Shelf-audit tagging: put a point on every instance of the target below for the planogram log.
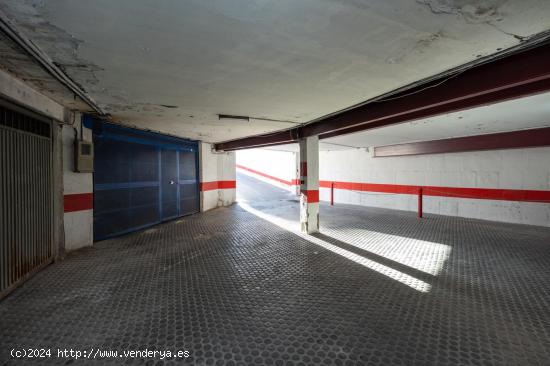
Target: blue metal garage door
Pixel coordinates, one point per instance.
(140, 179)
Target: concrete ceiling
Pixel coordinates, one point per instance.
(520, 114)
(172, 66)
(16, 61)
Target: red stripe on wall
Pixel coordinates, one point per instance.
(312, 195)
(370, 187)
(78, 202)
(209, 186)
(220, 184)
(489, 194)
(293, 182)
(227, 184)
(456, 192)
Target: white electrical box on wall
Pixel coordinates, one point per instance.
(84, 156)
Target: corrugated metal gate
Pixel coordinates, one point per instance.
(26, 198)
(140, 179)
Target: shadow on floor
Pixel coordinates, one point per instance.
(377, 258)
(232, 287)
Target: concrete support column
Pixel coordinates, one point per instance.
(309, 184)
(296, 175)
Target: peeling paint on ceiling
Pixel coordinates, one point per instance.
(473, 11)
(173, 66)
(16, 61)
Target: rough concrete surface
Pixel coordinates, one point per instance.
(174, 66)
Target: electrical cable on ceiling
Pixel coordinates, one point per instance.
(18, 37)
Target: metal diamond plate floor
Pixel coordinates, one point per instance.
(234, 286)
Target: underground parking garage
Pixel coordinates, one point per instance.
(274, 183)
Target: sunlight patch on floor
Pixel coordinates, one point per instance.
(425, 256)
(399, 276)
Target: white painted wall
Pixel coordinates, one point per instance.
(78, 225)
(208, 173)
(523, 169)
(527, 169)
(227, 172)
(280, 164)
(215, 167)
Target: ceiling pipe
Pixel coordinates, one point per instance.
(44, 60)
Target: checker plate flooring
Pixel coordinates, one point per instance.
(375, 287)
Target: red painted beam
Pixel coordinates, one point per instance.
(505, 140)
(512, 76)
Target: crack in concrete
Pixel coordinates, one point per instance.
(57, 43)
(472, 11)
(516, 36)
